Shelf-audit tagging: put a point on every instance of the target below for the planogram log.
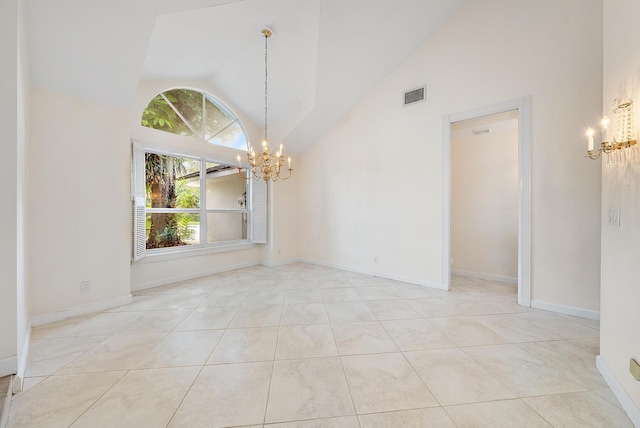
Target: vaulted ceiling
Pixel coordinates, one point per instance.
(324, 57)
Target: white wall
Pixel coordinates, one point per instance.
(619, 339)
(151, 272)
(9, 185)
(380, 191)
(283, 210)
(79, 167)
(484, 199)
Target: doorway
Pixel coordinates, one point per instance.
(519, 110)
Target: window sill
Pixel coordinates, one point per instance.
(161, 256)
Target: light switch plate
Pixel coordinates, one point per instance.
(614, 216)
(634, 368)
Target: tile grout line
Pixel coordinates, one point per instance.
(185, 394)
(100, 396)
(273, 362)
(344, 372)
(535, 411)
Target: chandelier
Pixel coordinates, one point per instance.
(266, 165)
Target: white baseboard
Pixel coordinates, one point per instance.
(488, 276)
(18, 379)
(627, 404)
(38, 320)
(8, 366)
(280, 263)
(410, 280)
(567, 310)
(188, 276)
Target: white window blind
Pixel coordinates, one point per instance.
(259, 211)
(138, 214)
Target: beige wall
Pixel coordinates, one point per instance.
(619, 339)
(80, 221)
(382, 193)
(484, 199)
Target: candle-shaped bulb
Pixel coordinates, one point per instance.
(239, 163)
(264, 143)
(281, 148)
(289, 159)
(590, 133)
(604, 122)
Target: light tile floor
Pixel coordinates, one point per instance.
(308, 346)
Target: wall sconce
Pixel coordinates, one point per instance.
(621, 149)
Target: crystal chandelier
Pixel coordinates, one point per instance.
(266, 165)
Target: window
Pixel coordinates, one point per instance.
(182, 202)
(195, 114)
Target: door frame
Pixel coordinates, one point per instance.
(523, 107)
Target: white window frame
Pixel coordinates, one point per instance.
(256, 211)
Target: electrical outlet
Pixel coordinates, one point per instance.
(85, 287)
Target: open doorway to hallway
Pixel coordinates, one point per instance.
(521, 107)
(484, 198)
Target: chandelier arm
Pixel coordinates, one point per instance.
(288, 176)
(593, 155)
(246, 177)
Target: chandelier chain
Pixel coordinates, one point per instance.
(266, 165)
(266, 75)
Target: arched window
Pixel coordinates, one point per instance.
(197, 114)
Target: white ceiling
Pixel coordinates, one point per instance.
(324, 57)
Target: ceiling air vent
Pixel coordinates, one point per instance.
(480, 131)
(415, 95)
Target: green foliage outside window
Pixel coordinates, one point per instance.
(195, 114)
(167, 187)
